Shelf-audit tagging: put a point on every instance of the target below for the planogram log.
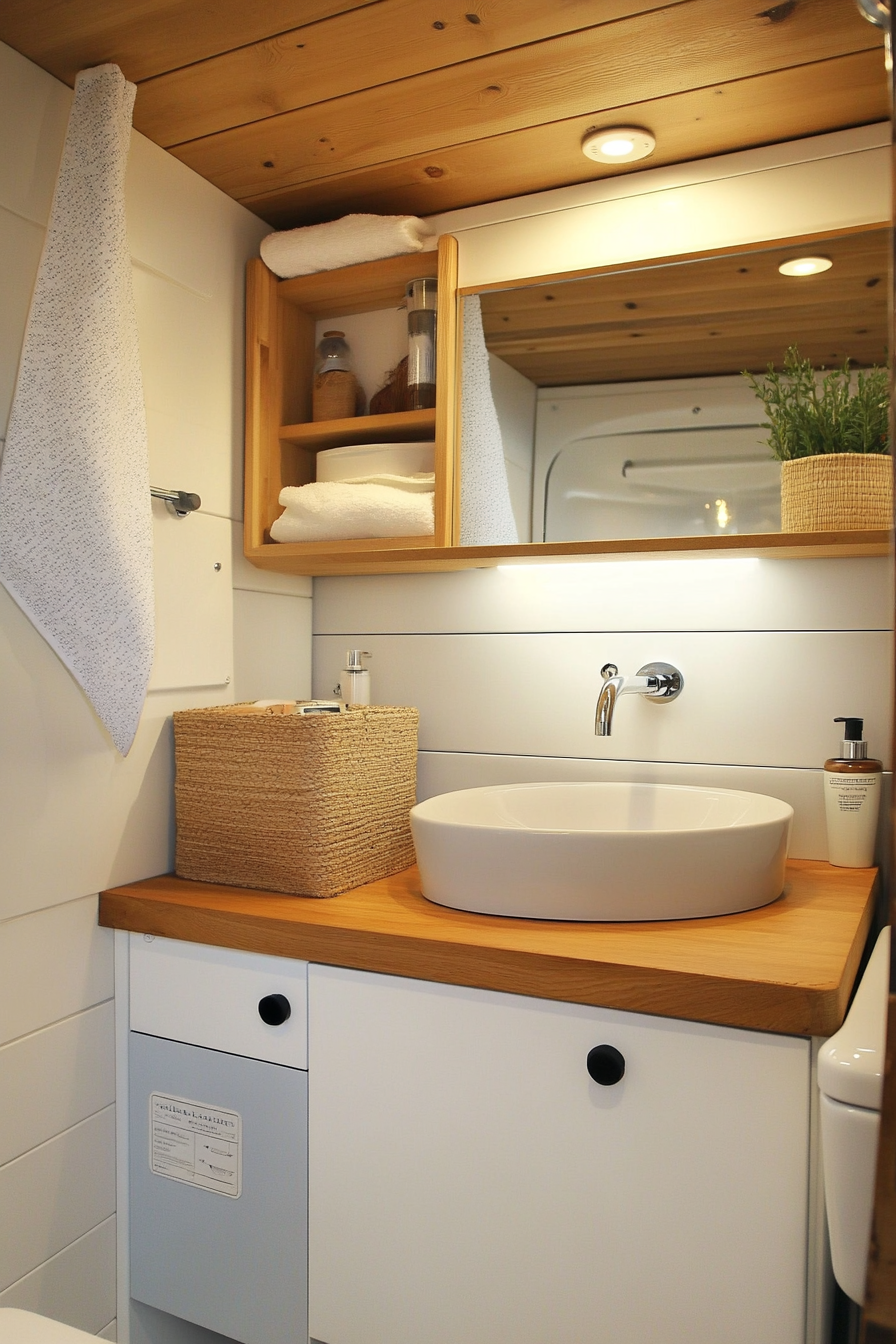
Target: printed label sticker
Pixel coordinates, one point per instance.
(198, 1144)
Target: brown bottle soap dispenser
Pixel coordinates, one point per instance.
(852, 799)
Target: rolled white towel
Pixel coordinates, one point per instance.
(336, 511)
(343, 242)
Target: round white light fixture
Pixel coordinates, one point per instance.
(805, 266)
(618, 144)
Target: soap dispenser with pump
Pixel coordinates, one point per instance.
(852, 799)
(354, 684)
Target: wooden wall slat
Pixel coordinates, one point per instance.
(147, 37)
(653, 55)
(360, 49)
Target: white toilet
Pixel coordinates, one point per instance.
(850, 1076)
(23, 1327)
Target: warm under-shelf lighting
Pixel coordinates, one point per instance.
(618, 144)
(805, 266)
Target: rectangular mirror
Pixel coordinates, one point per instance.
(622, 408)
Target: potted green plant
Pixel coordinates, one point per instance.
(831, 434)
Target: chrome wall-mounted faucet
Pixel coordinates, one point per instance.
(656, 681)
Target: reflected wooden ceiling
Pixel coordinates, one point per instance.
(717, 315)
(307, 109)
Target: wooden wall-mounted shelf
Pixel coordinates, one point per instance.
(407, 556)
(282, 440)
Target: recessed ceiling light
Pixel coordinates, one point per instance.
(805, 266)
(618, 144)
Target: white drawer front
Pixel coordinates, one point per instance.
(210, 996)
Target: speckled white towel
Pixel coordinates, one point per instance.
(75, 513)
(486, 514)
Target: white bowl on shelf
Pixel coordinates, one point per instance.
(375, 459)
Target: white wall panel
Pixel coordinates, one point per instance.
(255, 580)
(659, 220)
(184, 228)
(648, 180)
(37, 106)
(194, 600)
(74, 815)
(110, 1332)
(272, 646)
(20, 248)
(54, 1078)
(56, 1193)
(750, 698)
(724, 593)
(185, 357)
(52, 964)
(77, 1286)
(441, 772)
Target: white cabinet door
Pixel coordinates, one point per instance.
(471, 1184)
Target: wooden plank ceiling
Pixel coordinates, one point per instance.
(717, 315)
(307, 109)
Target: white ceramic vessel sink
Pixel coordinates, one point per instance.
(601, 851)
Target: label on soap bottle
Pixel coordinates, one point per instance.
(851, 803)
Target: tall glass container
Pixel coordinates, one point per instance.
(335, 391)
(421, 300)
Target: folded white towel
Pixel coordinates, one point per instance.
(336, 511)
(343, 242)
(418, 483)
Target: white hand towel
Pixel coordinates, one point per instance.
(418, 483)
(343, 242)
(336, 511)
(75, 513)
(486, 514)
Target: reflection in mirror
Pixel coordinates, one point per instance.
(622, 408)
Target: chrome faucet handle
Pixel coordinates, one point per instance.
(609, 670)
(668, 681)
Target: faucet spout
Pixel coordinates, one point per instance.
(606, 701)
(656, 681)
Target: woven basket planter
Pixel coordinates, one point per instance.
(312, 806)
(837, 492)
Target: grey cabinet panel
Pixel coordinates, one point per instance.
(234, 1265)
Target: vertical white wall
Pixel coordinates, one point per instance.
(515, 398)
(74, 816)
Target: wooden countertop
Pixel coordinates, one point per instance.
(788, 967)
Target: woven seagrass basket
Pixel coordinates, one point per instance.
(837, 492)
(312, 806)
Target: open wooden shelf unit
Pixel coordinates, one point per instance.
(282, 440)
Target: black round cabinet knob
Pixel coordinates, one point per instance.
(606, 1065)
(274, 1009)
